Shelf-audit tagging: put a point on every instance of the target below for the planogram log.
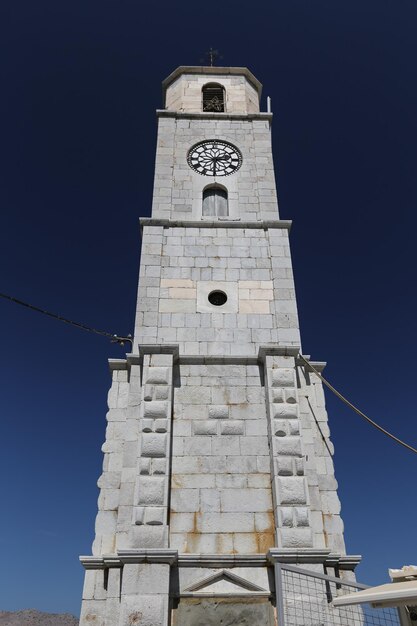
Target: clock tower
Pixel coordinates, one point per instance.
(217, 458)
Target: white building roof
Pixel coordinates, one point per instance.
(390, 594)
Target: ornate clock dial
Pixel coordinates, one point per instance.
(214, 158)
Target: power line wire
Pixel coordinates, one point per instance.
(354, 408)
(319, 427)
(115, 338)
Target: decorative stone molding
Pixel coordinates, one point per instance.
(313, 556)
(117, 364)
(241, 587)
(225, 561)
(123, 557)
(170, 223)
(223, 116)
(148, 556)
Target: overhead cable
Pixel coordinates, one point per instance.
(355, 408)
(114, 338)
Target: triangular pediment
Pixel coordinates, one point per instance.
(225, 582)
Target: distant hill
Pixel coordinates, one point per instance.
(31, 617)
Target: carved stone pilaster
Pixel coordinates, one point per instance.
(152, 482)
(289, 485)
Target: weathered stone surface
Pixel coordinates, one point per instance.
(213, 612)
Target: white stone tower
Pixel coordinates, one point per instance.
(217, 459)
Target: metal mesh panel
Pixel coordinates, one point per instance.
(306, 601)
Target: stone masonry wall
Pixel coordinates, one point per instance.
(220, 453)
(184, 94)
(181, 265)
(221, 499)
(178, 189)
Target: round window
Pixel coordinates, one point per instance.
(218, 298)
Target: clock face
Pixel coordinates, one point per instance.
(214, 158)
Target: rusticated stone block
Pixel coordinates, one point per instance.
(154, 444)
(288, 446)
(283, 377)
(280, 428)
(157, 376)
(294, 427)
(302, 517)
(159, 466)
(232, 427)
(291, 490)
(161, 425)
(155, 409)
(285, 517)
(277, 395)
(139, 515)
(148, 393)
(284, 466)
(147, 425)
(299, 466)
(218, 411)
(151, 490)
(284, 410)
(144, 466)
(155, 515)
(161, 392)
(290, 396)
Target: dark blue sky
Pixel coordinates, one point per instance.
(80, 84)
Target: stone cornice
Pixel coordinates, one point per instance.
(318, 365)
(164, 555)
(117, 364)
(197, 359)
(202, 115)
(349, 562)
(219, 223)
(312, 555)
(130, 556)
(159, 348)
(277, 350)
(274, 555)
(92, 562)
(293, 556)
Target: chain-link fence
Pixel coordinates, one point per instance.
(304, 598)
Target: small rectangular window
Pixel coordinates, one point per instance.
(215, 202)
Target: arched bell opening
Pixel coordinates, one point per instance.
(214, 98)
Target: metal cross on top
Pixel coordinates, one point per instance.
(212, 55)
